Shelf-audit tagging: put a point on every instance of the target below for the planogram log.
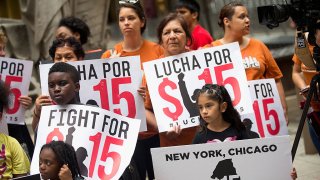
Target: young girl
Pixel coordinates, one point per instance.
(58, 161)
(219, 121)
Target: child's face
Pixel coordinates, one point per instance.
(62, 89)
(210, 110)
(48, 165)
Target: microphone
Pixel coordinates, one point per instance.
(302, 49)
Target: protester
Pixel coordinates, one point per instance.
(63, 84)
(190, 10)
(19, 132)
(58, 161)
(73, 27)
(257, 59)
(219, 120)
(62, 50)
(302, 83)
(132, 23)
(13, 160)
(174, 36)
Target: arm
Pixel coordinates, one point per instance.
(282, 98)
(151, 121)
(40, 101)
(297, 77)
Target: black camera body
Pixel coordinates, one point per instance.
(304, 13)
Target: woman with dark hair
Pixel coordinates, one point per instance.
(65, 50)
(73, 27)
(174, 37)
(58, 160)
(132, 24)
(62, 50)
(256, 57)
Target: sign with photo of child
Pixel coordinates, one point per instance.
(104, 141)
(16, 73)
(244, 159)
(268, 118)
(174, 81)
(109, 84)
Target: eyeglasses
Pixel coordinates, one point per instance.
(128, 1)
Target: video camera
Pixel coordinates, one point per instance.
(306, 15)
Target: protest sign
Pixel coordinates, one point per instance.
(104, 141)
(263, 159)
(174, 81)
(110, 84)
(268, 118)
(16, 74)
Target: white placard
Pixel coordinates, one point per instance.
(268, 118)
(107, 138)
(172, 82)
(263, 159)
(17, 74)
(111, 84)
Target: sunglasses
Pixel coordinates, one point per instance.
(128, 1)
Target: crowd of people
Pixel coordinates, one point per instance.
(177, 33)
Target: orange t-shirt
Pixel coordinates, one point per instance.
(148, 51)
(308, 74)
(257, 60)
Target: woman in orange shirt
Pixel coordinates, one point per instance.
(174, 37)
(256, 57)
(132, 23)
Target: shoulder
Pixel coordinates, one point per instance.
(154, 47)
(213, 44)
(148, 44)
(255, 42)
(8, 139)
(107, 53)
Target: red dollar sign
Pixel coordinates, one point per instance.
(179, 109)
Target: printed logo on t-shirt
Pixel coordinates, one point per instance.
(233, 138)
(3, 165)
(250, 62)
